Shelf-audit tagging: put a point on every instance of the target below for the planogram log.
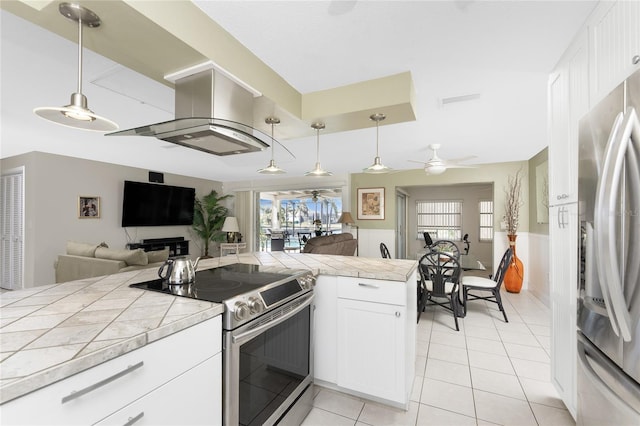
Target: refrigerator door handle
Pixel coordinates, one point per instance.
(632, 267)
(600, 224)
(624, 399)
(630, 126)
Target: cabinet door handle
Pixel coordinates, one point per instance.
(368, 285)
(132, 420)
(397, 314)
(91, 388)
(635, 60)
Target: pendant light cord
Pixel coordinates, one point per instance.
(273, 144)
(318, 145)
(80, 55)
(377, 138)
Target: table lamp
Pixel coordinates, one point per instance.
(230, 226)
(347, 219)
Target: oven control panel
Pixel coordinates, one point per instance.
(248, 306)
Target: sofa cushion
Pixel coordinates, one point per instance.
(70, 267)
(81, 249)
(131, 257)
(158, 255)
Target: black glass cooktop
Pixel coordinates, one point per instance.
(220, 284)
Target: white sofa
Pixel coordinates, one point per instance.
(92, 260)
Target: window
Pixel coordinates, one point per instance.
(441, 219)
(486, 220)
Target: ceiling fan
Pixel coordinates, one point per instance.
(314, 195)
(437, 165)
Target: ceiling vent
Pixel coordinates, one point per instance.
(463, 98)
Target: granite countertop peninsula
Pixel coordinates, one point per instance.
(50, 332)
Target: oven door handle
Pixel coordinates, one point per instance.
(244, 337)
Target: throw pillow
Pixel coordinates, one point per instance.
(81, 249)
(131, 257)
(158, 255)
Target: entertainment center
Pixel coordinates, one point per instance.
(178, 246)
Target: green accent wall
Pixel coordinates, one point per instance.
(538, 195)
(497, 173)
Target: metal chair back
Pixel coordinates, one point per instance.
(384, 251)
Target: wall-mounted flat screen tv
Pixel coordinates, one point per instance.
(151, 204)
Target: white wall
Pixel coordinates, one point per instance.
(538, 277)
(52, 186)
(369, 241)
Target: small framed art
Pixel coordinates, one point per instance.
(88, 207)
(371, 203)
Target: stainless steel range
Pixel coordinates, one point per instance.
(267, 333)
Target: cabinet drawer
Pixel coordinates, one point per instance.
(389, 292)
(193, 398)
(93, 394)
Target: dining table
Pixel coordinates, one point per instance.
(468, 262)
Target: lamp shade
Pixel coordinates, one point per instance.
(230, 225)
(346, 218)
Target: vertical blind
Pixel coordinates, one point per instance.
(486, 220)
(441, 219)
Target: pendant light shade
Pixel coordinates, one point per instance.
(377, 167)
(77, 114)
(318, 171)
(272, 168)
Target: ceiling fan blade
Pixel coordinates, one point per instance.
(416, 161)
(459, 166)
(460, 160)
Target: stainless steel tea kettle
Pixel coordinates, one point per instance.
(180, 270)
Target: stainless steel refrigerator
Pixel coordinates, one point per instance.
(608, 365)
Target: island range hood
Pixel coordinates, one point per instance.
(211, 112)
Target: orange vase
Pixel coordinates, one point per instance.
(515, 272)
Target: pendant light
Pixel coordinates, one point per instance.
(317, 171)
(272, 169)
(377, 167)
(77, 114)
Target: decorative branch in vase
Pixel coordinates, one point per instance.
(514, 275)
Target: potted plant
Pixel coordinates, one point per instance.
(208, 218)
(513, 201)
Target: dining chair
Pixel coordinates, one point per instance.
(446, 246)
(428, 242)
(384, 251)
(439, 279)
(492, 284)
(303, 237)
(467, 244)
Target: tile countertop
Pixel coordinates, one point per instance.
(50, 332)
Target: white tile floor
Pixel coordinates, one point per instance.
(490, 372)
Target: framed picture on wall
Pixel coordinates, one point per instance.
(88, 207)
(370, 203)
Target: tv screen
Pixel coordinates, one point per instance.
(149, 204)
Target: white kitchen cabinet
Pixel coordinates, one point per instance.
(326, 325)
(568, 102)
(94, 394)
(371, 347)
(563, 261)
(614, 31)
(560, 182)
(193, 398)
(365, 337)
